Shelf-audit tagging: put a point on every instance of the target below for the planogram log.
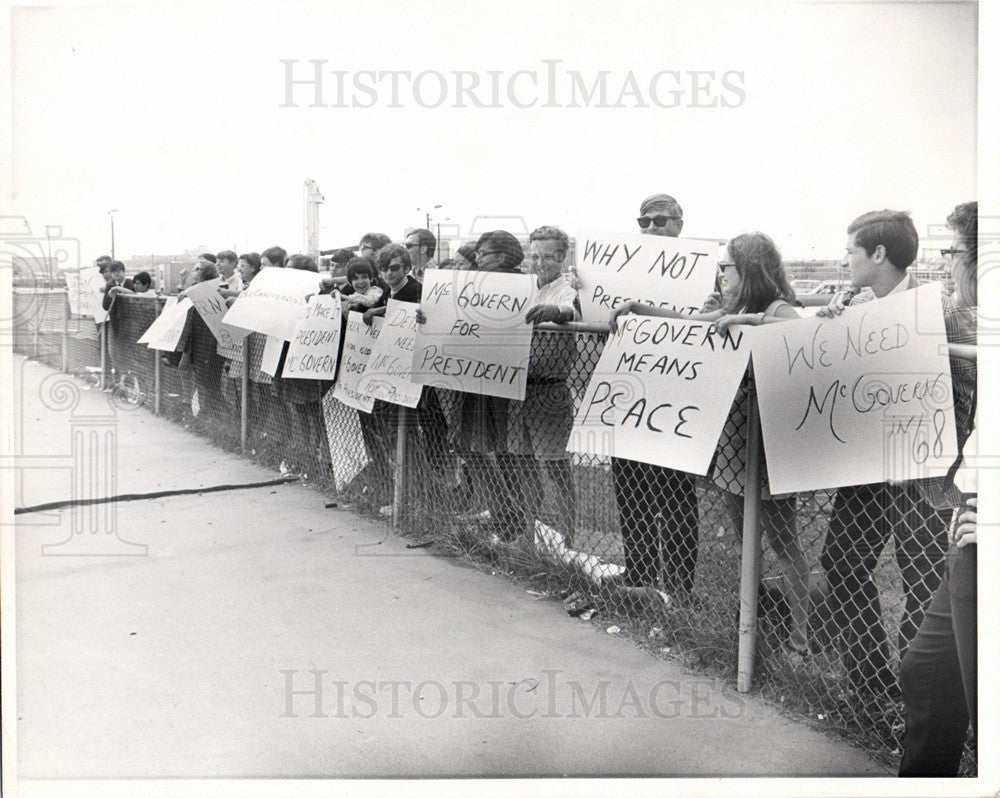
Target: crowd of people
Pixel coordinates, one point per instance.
(499, 455)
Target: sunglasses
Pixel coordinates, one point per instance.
(656, 221)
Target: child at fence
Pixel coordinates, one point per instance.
(755, 290)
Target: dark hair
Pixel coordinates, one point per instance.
(253, 259)
(115, 266)
(762, 278)
(364, 264)
(209, 257)
(375, 240)
(208, 272)
(468, 251)
(390, 251)
(510, 249)
(550, 232)
(276, 255)
(144, 278)
(342, 256)
(447, 263)
(964, 220)
(425, 238)
(893, 230)
(102, 263)
(227, 254)
(305, 263)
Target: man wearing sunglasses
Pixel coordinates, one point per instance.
(660, 215)
(421, 245)
(658, 507)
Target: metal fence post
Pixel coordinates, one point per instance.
(65, 335)
(102, 340)
(399, 487)
(750, 561)
(245, 394)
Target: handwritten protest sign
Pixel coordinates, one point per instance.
(675, 273)
(273, 302)
(388, 375)
(865, 397)
(475, 338)
(85, 288)
(211, 306)
(358, 343)
(312, 353)
(165, 332)
(343, 424)
(661, 392)
(270, 358)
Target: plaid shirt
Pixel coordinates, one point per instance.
(960, 328)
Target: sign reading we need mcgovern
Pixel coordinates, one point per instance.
(475, 338)
(661, 392)
(861, 398)
(675, 273)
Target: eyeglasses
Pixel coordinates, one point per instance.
(657, 221)
(947, 253)
(724, 266)
(390, 267)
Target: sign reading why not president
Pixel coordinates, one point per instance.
(388, 375)
(861, 398)
(273, 302)
(475, 338)
(675, 273)
(661, 392)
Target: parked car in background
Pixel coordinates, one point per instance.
(804, 286)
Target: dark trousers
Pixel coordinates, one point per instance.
(658, 511)
(864, 519)
(938, 674)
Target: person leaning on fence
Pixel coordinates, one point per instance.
(657, 507)
(938, 674)
(538, 428)
(880, 247)
(302, 403)
(755, 291)
(483, 419)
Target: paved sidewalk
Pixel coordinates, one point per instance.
(255, 633)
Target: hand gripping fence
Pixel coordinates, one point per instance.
(817, 618)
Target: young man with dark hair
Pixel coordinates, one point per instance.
(372, 243)
(227, 261)
(880, 247)
(273, 256)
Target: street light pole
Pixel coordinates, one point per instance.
(112, 213)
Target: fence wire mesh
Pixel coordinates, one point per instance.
(845, 574)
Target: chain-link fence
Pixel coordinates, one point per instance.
(827, 603)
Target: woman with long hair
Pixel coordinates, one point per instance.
(754, 291)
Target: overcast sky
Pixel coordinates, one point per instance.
(174, 117)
